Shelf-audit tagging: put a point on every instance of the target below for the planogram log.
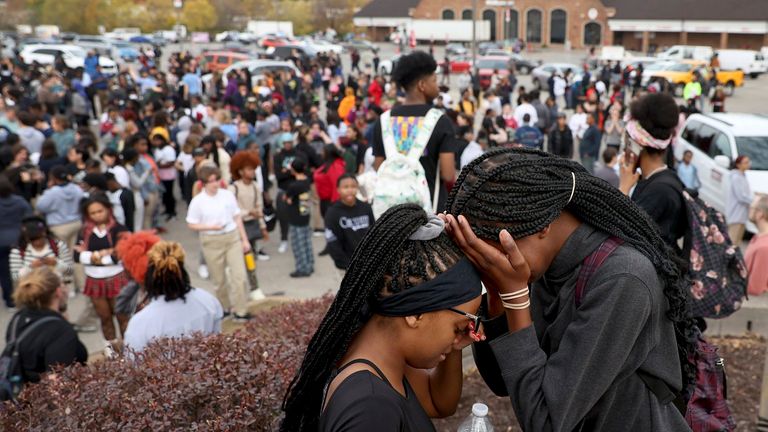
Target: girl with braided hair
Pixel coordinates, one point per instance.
(175, 308)
(604, 319)
(387, 355)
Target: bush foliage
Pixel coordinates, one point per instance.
(231, 382)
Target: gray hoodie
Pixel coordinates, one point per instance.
(576, 369)
(61, 204)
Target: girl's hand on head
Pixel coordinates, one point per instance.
(504, 268)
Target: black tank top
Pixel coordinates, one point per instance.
(365, 402)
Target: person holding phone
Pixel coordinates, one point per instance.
(655, 188)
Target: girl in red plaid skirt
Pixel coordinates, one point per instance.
(104, 273)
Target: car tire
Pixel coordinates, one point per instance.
(730, 87)
(536, 83)
(524, 70)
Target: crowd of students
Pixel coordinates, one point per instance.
(244, 152)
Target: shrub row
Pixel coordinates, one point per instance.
(231, 382)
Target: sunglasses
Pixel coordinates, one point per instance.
(474, 320)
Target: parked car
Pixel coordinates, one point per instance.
(751, 62)
(272, 41)
(716, 140)
(484, 47)
(74, 56)
(455, 49)
(257, 68)
(522, 66)
(216, 61)
(459, 64)
(322, 45)
(285, 52)
(687, 52)
(680, 74)
(541, 73)
(360, 45)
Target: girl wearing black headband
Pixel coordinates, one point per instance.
(387, 355)
(608, 359)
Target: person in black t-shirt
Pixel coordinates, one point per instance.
(346, 222)
(657, 189)
(415, 73)
(387, 356)
(297, 215)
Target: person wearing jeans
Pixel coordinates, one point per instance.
(214, 213)
(13, 208)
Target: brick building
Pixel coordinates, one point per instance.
(638, 25)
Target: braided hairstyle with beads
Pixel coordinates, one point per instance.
(386, 262)
(524, 190)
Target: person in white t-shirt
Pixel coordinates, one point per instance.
(214, 213)
(526, 108)
(578, 123)
(165, 158)
(111, 159)
(176, 309)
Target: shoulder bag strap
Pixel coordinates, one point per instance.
(593, 262)
(387, 135)
(32, 327)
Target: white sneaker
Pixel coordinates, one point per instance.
(257, 295)
(283, 247)
(263, 256)
(318, 234)
(202, 271)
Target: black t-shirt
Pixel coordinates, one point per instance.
(364, 402)
(345, 228)
(443, 140)
(299, 209)
(661, 196)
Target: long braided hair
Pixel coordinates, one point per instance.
(386, 262)
(166, 275)
(524, 190)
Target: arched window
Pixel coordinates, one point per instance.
(557, 26)
(533, 26)
(448, 14)
(466, 14)
(489, 15)
(593, 33)
(510, 25)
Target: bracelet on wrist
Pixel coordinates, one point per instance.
(506, 299)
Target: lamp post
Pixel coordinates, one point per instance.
(474, 37)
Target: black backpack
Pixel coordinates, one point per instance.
(11, 373)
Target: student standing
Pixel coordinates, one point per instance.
(297, 215)
(589, 147)
(346, 222)
(688, 173)
(738, 200)
(165, 157)
(215, 215)
(13, 209)
(415, 73)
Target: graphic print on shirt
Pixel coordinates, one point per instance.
(288, 161)
(304, 207)
(405, 130)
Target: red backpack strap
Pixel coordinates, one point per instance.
(54, 246)
(593, 262)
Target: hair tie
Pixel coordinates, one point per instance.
(573, 188)
(429, 231)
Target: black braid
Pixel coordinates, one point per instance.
(524, 190)
(384, 263)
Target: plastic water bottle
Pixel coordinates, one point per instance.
(478, 421)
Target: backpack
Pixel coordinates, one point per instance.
(707, 408)
(51, 242)
(11, 373)
(716, 266)
(401, 178)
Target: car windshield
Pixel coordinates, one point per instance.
(756, 148)
(492, 64)
(681, 67)
(77, 52)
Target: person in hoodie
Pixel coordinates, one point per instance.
(60, 204)
(346, 222)
(13, 208)
(184, 124)
(326, 177)
(31, 138)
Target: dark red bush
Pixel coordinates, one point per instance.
(231, 382)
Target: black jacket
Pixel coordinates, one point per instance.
(561, 142)
(52, 343)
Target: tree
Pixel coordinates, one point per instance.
(199, 15)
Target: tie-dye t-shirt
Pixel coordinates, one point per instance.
(405, 122)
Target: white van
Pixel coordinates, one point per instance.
(687, 52)
(752, 63)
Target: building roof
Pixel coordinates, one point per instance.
(387, 9)
(715, 10)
